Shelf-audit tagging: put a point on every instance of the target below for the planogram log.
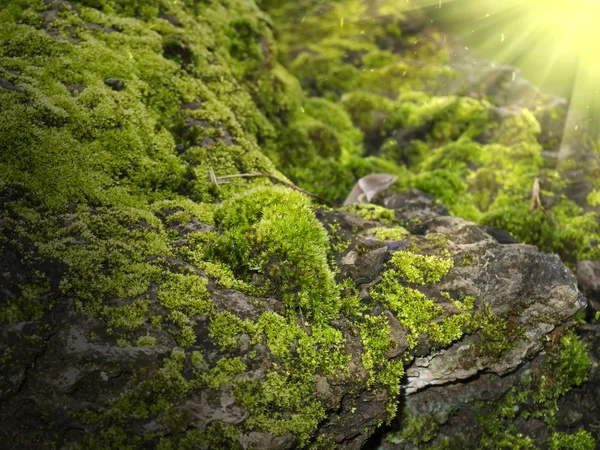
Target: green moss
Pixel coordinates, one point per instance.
(265, 226)
(370, 211)
(222, 274)
(352, 307)
(488, 183)
(224, 327)
(98, 186)
(224, 371)
(415, 430)
(566, 367)
(388, 234)
(467, 303)
(337, 238)
(218, 435)
(197, 359)
(185, 210)
(374, 332)
(467, 260)
(184, 296)
(28, 306)
(536, 396)
(317, 148)
(581, 440)
(146, 341)
(414, 309)
(421, 269)
(446, 185)
(155, 393)
(129, 317)
(593, 198)
(305, 412)
(286, 401)
(498, 335)
(112, 437)
(449, 330)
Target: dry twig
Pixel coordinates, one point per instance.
(218, 180)
(535, 196)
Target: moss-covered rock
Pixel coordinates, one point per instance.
(147, 302)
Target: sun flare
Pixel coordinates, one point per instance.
(555, 43)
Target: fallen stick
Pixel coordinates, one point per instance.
(218, 181)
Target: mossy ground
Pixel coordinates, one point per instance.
(388, 75)
(109, 181)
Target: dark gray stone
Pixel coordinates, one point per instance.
(116, 84)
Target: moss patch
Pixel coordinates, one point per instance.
(536, 396)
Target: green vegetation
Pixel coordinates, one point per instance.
(416, 430)
(267, 226)
(128, 106)
(420, 269)
(479, 166)
(374, 331)
(533, 397)
(388, 234)
(582, 440)
(369, 211)
(536, 397)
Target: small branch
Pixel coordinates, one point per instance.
(218, 180)
(535, 196)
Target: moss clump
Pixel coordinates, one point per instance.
(415, 430)
(467, 303)
(467, 260)
(154, 394)
(337, 238)
(146, 341)
(498, 335)
(388, 234)
(222, 373)
(374, 332)
(421, 269)
(566, 367)
(369, 211)
(418, 313)
(449, 329)
(480, 166)
(413, 308)
(352, 307)
(129, 317)
(286, 400)
(317, 148)
(265, 228)
(225, 327)
(581, 440)
(593, 198)
(27, 306)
